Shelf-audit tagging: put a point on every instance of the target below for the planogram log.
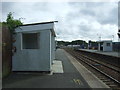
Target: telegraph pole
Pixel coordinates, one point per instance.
(112, 37)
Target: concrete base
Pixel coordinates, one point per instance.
(57, 67)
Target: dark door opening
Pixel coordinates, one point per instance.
(101, 48)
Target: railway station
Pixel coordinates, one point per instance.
(60, 45)
(37, 63)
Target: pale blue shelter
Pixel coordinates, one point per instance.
(35, 47)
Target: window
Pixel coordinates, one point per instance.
(107, 44)
(30, 40)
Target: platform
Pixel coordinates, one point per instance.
(74, 75)
(115, 54)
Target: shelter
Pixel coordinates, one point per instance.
(35, 47)
(105, 45)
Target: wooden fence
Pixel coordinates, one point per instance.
(6, 51)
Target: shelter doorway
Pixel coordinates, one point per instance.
(101, 46)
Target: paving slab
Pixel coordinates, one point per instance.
(57, 67)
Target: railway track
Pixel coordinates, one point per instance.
(108, 73)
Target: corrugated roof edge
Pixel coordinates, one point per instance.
(38, 23)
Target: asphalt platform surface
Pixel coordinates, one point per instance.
(71, 78)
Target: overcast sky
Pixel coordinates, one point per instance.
(76, 20)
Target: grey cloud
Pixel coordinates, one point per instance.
(119, 14)
(76, 20)
(6, 6)
(13, 7)
(91, 12)
(43, 6)
(87, 12)
(98, 11)
(84, 28)
(111, 18)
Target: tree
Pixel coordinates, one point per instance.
(12, 23)
(76, 42)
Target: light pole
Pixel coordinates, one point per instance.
(112, 37)
(99, 37)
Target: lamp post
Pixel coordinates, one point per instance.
(99, 37)
(112, 37)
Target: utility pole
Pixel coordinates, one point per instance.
(99, 37)
(112, 37)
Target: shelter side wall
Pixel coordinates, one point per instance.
(32, 59)
(107, 48)
(99, 46)
(52, 48)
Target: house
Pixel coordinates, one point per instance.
(35, 47)
(105, 45)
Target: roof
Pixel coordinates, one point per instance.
(105, 41)
(37, 27)
(38, 23)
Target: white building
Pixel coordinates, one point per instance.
(35, 47)
(105, 45)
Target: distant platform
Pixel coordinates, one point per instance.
(115, 54)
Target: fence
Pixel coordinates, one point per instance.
(116, 46)
(6, 51)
